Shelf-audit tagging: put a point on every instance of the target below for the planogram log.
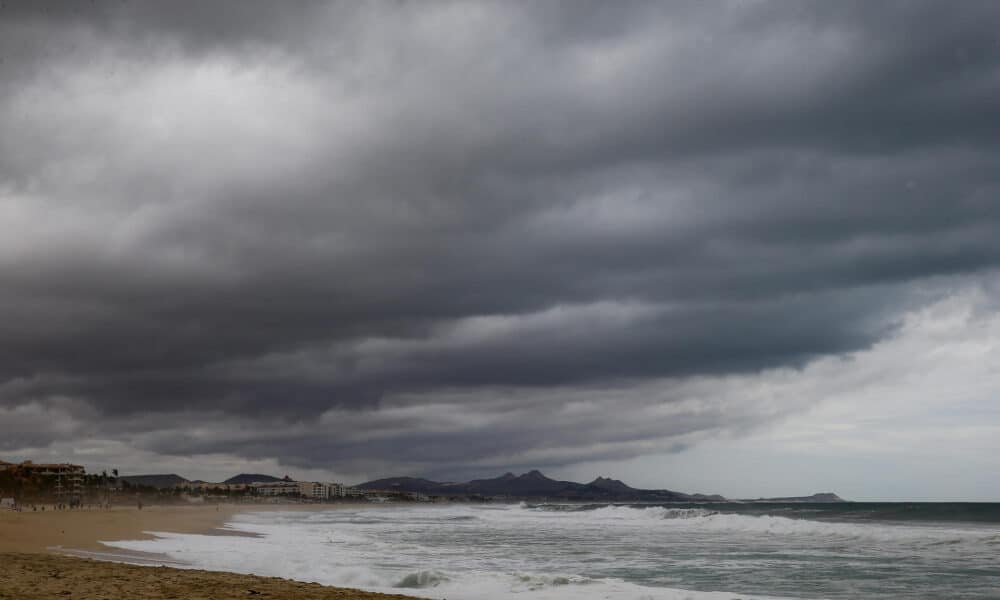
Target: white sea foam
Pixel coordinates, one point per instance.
(703, 520)
(614, 553)
(282, 556)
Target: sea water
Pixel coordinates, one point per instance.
(642, 552)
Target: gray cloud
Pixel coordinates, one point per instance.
(252, 215)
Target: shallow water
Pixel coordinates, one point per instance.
(667, 552)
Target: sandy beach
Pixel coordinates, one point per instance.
(37, 576)
(84, 529)
(33, 563)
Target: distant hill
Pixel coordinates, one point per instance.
(156, 481)
(172, 480)
(245, 478)
(708, 498)
(535, 485)
(611, 485)
(530, 484)
(822, 497)
(403, 484)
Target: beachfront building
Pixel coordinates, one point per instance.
(275, 488)
(67, 479)
(207, 486)
(353, 492)
(314, 490)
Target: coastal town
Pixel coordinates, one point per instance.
(66, 485)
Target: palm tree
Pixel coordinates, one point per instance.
(107, 490)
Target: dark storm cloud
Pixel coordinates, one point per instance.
(266, 216)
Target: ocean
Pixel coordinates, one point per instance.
(599, 551)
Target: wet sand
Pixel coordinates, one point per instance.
(34, 561)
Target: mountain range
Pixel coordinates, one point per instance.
(173, 480)
(535, 485)
(532, 485)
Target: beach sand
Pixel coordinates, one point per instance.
(36, 576)
(33, 563)
(85, 529)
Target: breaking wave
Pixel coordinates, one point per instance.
(597, 551)
(709, 520)
(422, 579)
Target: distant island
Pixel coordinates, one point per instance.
(824, 497)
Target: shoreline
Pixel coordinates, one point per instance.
(85, 529)
(61, 554)
(41, 532)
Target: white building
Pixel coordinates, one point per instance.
(276, 488)
(314, 489)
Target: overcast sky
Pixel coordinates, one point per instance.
(744, 247)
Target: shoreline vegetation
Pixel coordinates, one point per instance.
(42, 556)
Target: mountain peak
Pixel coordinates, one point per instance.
(606, 483)
(533, 484)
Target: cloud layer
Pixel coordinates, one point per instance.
(444, 237)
